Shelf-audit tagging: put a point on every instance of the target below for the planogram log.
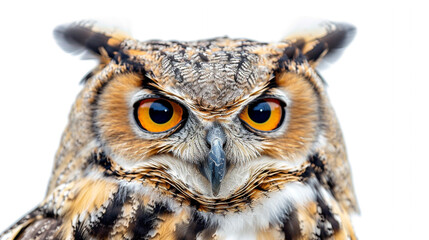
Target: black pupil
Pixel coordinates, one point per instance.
(259, 112)
(160, 111)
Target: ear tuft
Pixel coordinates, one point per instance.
(78, 37)
(326, 44)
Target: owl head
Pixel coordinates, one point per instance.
(216, 124)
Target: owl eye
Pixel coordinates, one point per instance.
(264, 114)
(158, 114)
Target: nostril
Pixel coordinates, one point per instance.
(207, 144)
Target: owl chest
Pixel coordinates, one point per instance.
(157, 221)
(118, 212)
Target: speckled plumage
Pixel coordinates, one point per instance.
(111, 180)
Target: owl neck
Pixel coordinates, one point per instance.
(148, 200)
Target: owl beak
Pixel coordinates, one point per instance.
(215, 167)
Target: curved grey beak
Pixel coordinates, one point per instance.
(215, 167)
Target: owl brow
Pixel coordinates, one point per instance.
(150, 84)
(258, 93)
(153, 86)
(269, 85)
(272, 83)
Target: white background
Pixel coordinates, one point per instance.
(378, 87)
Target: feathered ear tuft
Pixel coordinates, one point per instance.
(79, 37)
(326, 44)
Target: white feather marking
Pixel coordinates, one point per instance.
(241, 236)
(275, 206)
(7, 236)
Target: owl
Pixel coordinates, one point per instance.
(212, 139)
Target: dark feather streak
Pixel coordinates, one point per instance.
(102, 228)
(291, 227)
(196, 225)
(146, 220)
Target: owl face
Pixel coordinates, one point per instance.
(212, 107)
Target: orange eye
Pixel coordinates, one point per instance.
(264, 115)
(158, 114)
